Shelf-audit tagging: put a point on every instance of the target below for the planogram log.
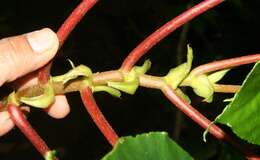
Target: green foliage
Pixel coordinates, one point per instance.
(50, 155)
(179, 73)
(41, 101)
(131, 81)
(151, 146)
(242, 114)
(203, 85)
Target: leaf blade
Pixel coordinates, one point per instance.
(242, 114)
(151, 146)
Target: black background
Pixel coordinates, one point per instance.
(102, 40)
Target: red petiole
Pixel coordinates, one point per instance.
(97, 116)
(20, 121)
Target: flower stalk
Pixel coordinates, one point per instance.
(165, 30)
(63, 32)
(201, 120)
(20, 121)
(97, 116)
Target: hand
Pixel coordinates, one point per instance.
(24, 54)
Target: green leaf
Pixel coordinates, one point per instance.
(202, 87)
(131, 79)
(50, 155)
(41, 101)
(144, 68)
(127, 87)
(110, 90)
(183, 95)
(216, 76)
(189, 57)
(242, 114)
(176, 75)
(75, 72)
(12, 99)
(151, 146)
(179, 73)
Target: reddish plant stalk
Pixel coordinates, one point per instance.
(165, 30)
(64, 31)
(19, 120)
(97, 116)
(74, 18)
(201, 120)
(223, 64)
(224, 88)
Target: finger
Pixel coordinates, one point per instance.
(22, 54)
(60, 108)
(6, 123)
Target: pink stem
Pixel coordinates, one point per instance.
(201, 120)
(223, 64)
(165, 30)
(19, 120)
(97, 116)
(74, 18)
(64, 31)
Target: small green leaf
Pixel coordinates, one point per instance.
(107, 89)
(12, 99)
(50, 155)
(202, 87)
(189, 57)
(176, 75)
(131, 79)
(80, 70)
(144, 68)
(216, 76)
(179, 73)
(242, 114)
(127, 87)
(151, 146)
(42, 101)
(183, 95)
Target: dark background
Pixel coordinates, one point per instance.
(102, 40)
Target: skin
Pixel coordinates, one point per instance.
(22, 55)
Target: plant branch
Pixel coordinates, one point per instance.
(201, 120)
(223, 88)
(224, 64)
(19, 120)
(64, 31)
(102, 78)
(165, 30)
(97, 116)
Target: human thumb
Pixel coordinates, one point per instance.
(23, 54)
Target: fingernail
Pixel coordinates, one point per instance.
(41, 40)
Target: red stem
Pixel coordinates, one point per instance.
(19, 120)
(64, 31)
(223, 64)
(97, 116)
(201, 120)
(165, 30)
(74, 18)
